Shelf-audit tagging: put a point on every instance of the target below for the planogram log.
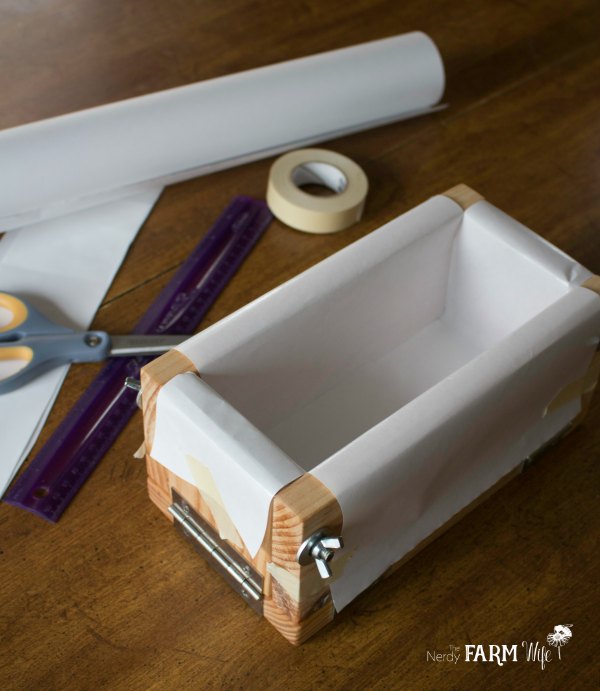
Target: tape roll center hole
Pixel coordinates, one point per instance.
(319, 179)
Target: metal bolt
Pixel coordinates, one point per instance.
(132, 383)
(319, 547)
(92, 340)
(320, 552)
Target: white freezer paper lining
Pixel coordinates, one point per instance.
(411, 473)
(429, 406)
(196, 425)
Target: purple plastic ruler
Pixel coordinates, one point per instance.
(90, 428)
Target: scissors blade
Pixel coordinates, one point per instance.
(123, 346)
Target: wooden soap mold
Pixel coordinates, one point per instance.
(305, 506)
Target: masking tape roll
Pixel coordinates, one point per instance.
(314, 214)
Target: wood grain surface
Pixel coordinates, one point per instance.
(111, 597)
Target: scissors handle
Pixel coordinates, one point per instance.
(26, 320)
(42, 353)
(41, 344)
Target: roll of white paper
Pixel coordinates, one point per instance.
(74, 161)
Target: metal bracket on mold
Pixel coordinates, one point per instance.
(219, 555)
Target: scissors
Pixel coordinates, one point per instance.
(43, 344)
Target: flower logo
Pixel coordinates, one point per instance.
(560, 636)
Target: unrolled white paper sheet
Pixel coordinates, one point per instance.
(116, 149)
(408, 372)
(64, 267)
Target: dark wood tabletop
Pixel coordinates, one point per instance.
(111, 597)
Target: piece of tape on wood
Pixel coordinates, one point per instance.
(210, 493)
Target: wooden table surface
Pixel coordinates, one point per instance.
(111, 597)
